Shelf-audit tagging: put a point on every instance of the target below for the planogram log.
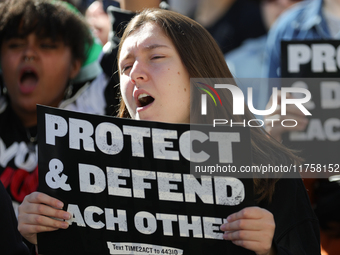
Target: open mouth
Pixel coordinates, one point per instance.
(28, 77)
(144, 100)
(28, 81)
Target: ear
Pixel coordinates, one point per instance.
(75, 68)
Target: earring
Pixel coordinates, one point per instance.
(69, 90)
(3, 89)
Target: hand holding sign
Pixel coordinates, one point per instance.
(273, 120)
(141, 197)
(252, 228)
(35, 214)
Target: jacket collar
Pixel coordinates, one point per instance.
(313, 17)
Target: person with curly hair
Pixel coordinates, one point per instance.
(43, 45)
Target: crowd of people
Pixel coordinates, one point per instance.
(93, 60)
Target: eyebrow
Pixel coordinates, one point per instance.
(154, 46)
(148, 48)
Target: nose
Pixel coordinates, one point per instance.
(138, 72)
(30, 51)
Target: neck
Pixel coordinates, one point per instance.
(208, 12)
(332, 6)
(28, 119)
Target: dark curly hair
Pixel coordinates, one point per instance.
(47, 19)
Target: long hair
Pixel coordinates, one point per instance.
(203, 58)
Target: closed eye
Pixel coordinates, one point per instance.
(48, 43)
(15, 43)
(157, 57)
(125, 68)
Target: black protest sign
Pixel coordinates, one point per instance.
(307, 59)
(128, 186)
(315, 65)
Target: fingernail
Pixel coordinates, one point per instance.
(64, 225)
(60, 205)
(67, 216)
(225, 236)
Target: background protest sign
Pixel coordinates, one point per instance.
(129, 188)
(315, 65)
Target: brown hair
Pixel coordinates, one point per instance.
(203, 59)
